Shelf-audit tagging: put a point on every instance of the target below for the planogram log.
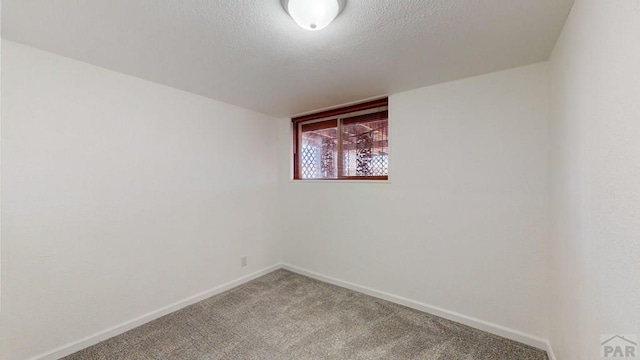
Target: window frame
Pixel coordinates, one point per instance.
(338, 115)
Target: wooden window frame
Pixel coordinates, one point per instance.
(334, 115)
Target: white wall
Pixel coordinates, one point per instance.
(462, 224)
(120, 197)
(595, 91)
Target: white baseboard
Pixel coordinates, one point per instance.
(549, 349)
(495, 329)
(90, 340)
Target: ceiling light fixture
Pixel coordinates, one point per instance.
(313, 15)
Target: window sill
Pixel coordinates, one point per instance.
(341, 181)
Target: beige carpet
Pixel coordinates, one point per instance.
(283, 315)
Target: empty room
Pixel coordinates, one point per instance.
(320, 179)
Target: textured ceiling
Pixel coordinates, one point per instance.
(250, 53)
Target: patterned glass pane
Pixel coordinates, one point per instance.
(365, 147)
(319, 154)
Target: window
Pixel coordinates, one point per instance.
(350, 143)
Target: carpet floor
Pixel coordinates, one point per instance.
(283, 315)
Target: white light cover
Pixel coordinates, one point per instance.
(313, 15)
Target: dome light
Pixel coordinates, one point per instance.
(313, 15)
